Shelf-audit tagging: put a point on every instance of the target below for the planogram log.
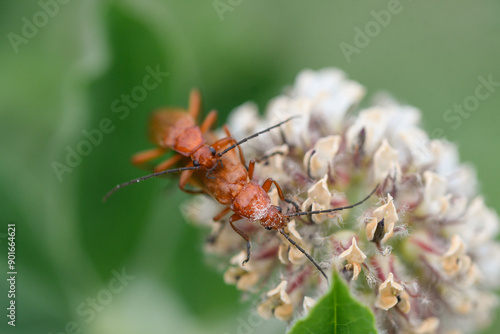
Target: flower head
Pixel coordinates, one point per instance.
(421, 252)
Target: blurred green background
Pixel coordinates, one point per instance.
(64, 77)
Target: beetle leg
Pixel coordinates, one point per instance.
(168, 163)
(208, 121)
(221, 214)
(232, 219)
(145, 156)
(217, 218)
(251, 168)
(267, 185)
(194, 103)
(184, 179)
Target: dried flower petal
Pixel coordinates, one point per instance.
(319, 198)
(388, 293)
(374, 121)
(284, 312)
(295, 255)
(354, 257)
(428, 326)
(435, 202)
(371, 227)
(404, 302)
(333, 94)
(385, 163)
(275, 164)
(388, 214)
(319, 160)
(278, 303)
(455, 259)
(295, 133)
(280, 292)
(308, 303)
(483, 223)
(244, 280)
(244, 119)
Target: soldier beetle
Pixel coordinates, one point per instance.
(219, 172)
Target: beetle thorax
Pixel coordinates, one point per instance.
(252, 202)
(189, 141)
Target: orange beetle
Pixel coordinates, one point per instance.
(218, 171)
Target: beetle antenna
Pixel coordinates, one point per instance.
(139, 179)
(282, 231)
(331, 210)
(255, 135)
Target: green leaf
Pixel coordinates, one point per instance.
(337, 312)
